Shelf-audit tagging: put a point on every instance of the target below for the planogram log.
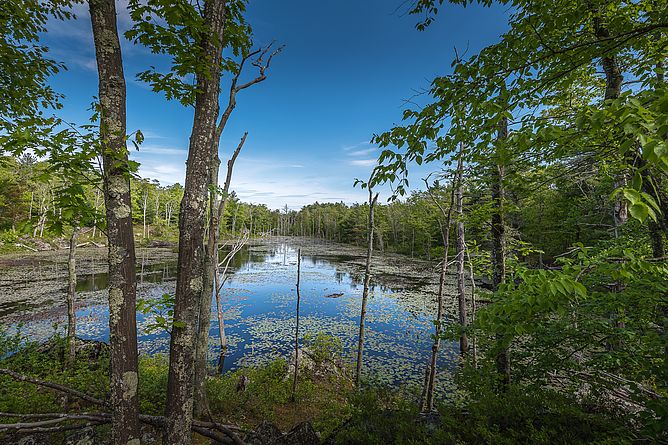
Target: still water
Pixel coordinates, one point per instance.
(259, 302)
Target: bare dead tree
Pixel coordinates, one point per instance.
(220, 279)
(474, 347)
(367, 280)
(498, 232)
(71, 296)
(461, 246)
(217, 209)
(261, 59)
(294, 381)
(428, 400)
(262, 63)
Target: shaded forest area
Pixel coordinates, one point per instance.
(547, 207)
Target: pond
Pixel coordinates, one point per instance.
(259, 301)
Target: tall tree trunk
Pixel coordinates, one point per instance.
(461, 246)
(653, 185)
(122, 279)
(474, 348)
(221, 325)
(498, 247)
(613, 89)
(97, 199)
(294, 381)
(210, 261)
(367, 280)
(145, 204)
(217, 210)
(192, 225)
(428, 403)
(71, 296)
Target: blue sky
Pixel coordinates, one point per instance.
(346, 71)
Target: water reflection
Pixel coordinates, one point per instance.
(147, 272)
(259, 301)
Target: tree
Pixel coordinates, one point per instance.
(367, 280)
(217, 210)
(427, 403)
(116, 177)
(461, 247)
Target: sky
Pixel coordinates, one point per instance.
(346, 73)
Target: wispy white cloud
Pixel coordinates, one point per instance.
(362, 162)
(354, 146)
(167, 174)
(364, 152)
(158, 150)
(150, 134)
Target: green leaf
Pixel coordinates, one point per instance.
(639, 211)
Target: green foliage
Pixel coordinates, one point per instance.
(160, 311)
(47, 362)
(178, 29)
(153, 373)
(513, 417)
(268, 387)
(542, 76)
(322, 347)
(24, 62)
(10, 343)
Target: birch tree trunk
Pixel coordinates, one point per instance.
(461, 246)
(71, 297)
(498, 245)
(367, 281)
(192, 225)
(145, 204)
(428, 403)
(122, 279)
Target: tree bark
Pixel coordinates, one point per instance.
(122, 279)
(145, 204)
(428, 403)
(294, 381)
(461, 247)
(367, 280)
(217, 210)
(221, 325)
(498, 246)
(192, 225)
(613, 89)
(71, 296)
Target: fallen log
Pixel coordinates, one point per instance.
(224, 434)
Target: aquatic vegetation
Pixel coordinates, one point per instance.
(259, 302)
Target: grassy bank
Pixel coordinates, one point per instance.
(339, 413)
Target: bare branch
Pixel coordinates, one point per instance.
(57, 387)
(219, 432)
(262, 66)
